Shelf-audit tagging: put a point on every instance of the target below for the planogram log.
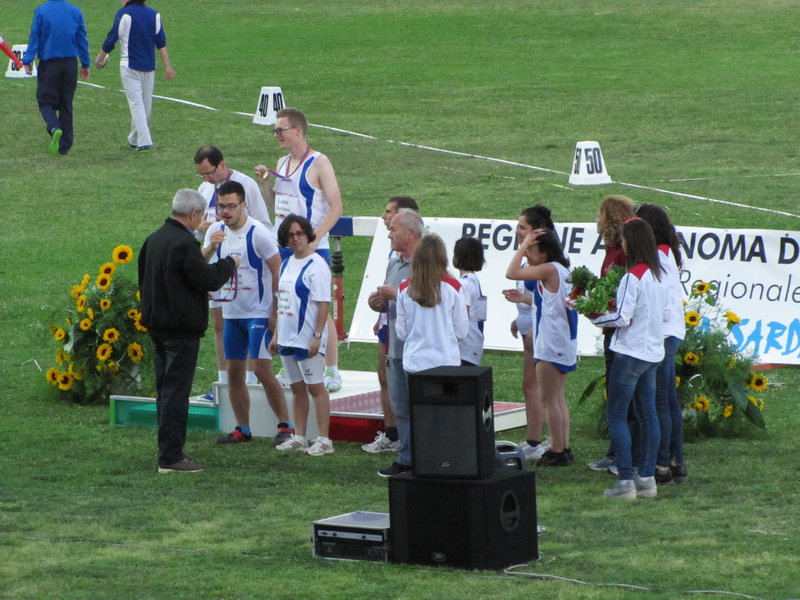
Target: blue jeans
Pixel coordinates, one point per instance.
(634, 380)
(397, 382)
(670, 417)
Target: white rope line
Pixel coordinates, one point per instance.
(505, 162)
(769, 210)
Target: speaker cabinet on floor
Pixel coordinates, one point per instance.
(452, 422)
(471, 524)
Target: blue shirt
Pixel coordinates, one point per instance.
(138, 29)
(58, 31)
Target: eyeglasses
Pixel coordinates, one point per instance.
(279, 130)
(296, 234)
(228, 206)
(209, 174)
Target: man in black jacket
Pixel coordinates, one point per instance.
(174, 281)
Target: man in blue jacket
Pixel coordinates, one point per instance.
(139, 31)
(174, 281)
(58, 36)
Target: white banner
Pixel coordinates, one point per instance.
(756, 270)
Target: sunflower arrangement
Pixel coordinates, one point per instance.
(715, 381)
(101, 342)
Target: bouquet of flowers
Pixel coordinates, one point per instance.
(716, 383)
(101, 340)
(592, 295)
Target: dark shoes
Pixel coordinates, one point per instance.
(234, 437)
(679, 473)
(557, 459)
(284, 433)
(187, 465)
(143, 148)
(395, 469)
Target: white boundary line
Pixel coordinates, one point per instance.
(505, 162)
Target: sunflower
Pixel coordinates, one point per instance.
(690, 358)
(702, 287)
(64, 380)
(59, 334)
(757, 402)
(677, 381)
(758, 383)
(732, 317)
(75, 374)
(90, 313)
(105, 303)
(728, 411)
(138, 295)
(701, 403)
(103, 282)
(76, 291)
(135, 352)
(60, 356)
(85, 280)
(80, 304)
(133, 314)
(113, 367)
(692, 318)
(138, 323)
(122, 254)
(52, 376)
(86, 324)
(69, 321)
(111, 335)
(108, 269)
(104, 352)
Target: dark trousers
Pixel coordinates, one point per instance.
(175, 362)
(57, 81)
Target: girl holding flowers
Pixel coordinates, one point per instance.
(638, 344)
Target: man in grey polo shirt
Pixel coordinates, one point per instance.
(405, 231)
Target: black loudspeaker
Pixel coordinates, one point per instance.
(470, 524)
(452, 422)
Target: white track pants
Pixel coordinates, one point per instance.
(138, 86)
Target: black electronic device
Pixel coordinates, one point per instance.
(452, 422)
(471, 524)
(358, 535)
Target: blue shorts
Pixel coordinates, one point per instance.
(243, 337)
(560, 367)
(323, 252)
(383, 336)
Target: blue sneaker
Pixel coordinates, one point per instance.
(209, 397)
(603, 464)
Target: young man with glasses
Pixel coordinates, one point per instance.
(248, 310)
(211, 167)
(305, 185)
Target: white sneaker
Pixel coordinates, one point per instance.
(381, 444)
(332, 380)
(283, 378)
(645, 487)
(622, 489)
(319, 448)
(535, 452)
(296, 442)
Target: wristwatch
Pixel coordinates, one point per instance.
(318, 335)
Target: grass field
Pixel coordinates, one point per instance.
(701, 92)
